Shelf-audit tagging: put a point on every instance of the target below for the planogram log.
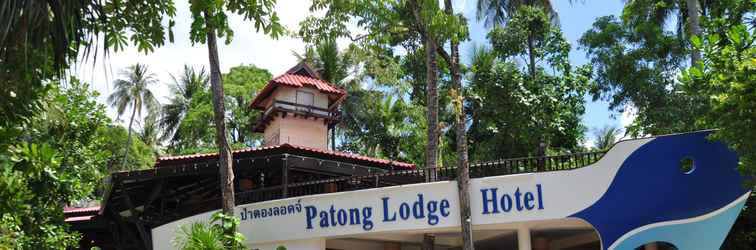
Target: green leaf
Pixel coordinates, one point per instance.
(696, 42)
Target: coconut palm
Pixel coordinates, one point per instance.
(606, 136)
(149, 132)
(132, 92)
(184, 88)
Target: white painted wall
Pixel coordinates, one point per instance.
(297, 130)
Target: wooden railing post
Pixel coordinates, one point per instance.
(285, 177)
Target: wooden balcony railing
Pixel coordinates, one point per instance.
(401, 177)
(294, 109)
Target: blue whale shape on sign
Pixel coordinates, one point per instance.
(650, 188)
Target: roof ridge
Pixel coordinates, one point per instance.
(344, 154)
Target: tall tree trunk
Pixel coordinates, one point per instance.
(219, 110)
(431, 67)
(128, 141)
(541, 150)
(463, 170)
(694, 10)
(431, 88)
(531, 55)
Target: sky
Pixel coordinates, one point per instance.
(251, 47)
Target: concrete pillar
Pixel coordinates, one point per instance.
(652, 246)
(523, 239)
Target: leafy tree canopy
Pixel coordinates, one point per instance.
(54, 159)
(510, 110)
(241, 84)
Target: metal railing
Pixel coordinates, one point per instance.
(402, 177)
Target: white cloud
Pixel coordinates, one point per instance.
(589, 142)
(247, 47)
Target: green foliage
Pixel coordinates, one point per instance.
(606, 137)
(637, 61)
(210, 15)
(55, 158)
(187, 118)
(141, 155)
(40, 39)
(198, 236)
(240, 85)
(219, 234)
(389, 26)
(526, 22)
(635, 65)
(133, 91)
(385, 127)
(196, 130)
(510, 110)
(498, 12)
(189, 85)
(725, 79)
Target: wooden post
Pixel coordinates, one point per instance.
(134, 218)
(285, 177)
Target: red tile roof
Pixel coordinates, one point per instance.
(68, 210)
(300, 81)
(296, 81)
(72, 214)
(299, 149)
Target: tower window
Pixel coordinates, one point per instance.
(305, 98)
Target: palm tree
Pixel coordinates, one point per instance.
(660, 12)
(133, 92)
(149, 132)
(184, 88)
(606, 136)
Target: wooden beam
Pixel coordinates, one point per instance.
(134, 218)
(285, 177)
(154, 194)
